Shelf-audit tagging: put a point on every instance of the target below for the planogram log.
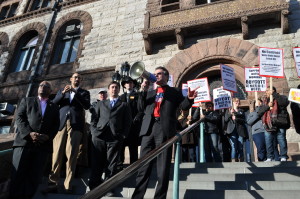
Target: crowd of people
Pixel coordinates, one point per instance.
(145, 118)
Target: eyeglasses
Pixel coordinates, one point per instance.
(156, 74)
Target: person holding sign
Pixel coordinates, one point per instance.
(236, 130)
(276, 120)
(258, 130)
(211, 119)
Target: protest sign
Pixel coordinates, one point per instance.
(296, 53)
(228, 78)
(254, 82)
(294, 95)
(271, 62)
(203, 90)
(222, 99)
(184, 89)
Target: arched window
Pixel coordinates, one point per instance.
(67, 43)
(24, 52)
(37, 4)
(168, 5)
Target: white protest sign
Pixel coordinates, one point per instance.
(296, 53)
(203, 90)
(254, 82)
(222, 99)
(294, 95)
(184, 89)
(228, 78)
(271, 62)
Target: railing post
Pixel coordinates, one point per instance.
(201, 143)
(176, 170)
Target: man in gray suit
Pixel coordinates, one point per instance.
(37, 120)
(109, 128)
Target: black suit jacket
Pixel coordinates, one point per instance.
(133, 100)
(172, 99)
(75, 109)
(29, 119)
(118, 119)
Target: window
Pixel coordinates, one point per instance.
(8, 11)
(24, 53)
(67, 43)
(37, 4)
(168, 5)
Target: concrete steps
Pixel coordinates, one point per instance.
(274, 180)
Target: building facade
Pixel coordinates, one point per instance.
(50, 40)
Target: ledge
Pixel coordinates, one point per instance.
(219, 15)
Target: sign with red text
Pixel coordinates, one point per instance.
(254, 82)
(222, 99)
(203, 89)
(271, 62)
(296, 54)
(228, 78)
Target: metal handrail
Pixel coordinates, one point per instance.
(120, 177)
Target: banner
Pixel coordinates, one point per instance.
(296, 53)
(203, 90)
(254, 82)
(294, 95)
(228, 78)
(271, 62)
(222, 99)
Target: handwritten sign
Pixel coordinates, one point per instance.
(296, 53)
(203, 90)
(294, 95)
(228, 78)
(222, 99)
(254, 82)
(271, 62)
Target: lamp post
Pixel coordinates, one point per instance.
(116, 77)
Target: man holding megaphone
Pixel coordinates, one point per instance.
(159, 124)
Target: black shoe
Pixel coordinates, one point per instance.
(68, 191)
(50, 189)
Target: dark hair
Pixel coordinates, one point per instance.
(298, 86)
(166, 72)
(274, 89)
(113, 82)
(207, 103)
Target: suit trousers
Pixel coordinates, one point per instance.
(105, 153)
(163, 163)
(66, 142)
(28, 164)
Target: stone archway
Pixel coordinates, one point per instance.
(203, 59)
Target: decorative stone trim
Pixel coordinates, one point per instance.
(40, 28)
(86, 20)
(245, 27)
(4, 42)
(284, 21)
(179, 38)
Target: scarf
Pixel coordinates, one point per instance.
(269, 116)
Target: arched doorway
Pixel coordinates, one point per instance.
(203, 60)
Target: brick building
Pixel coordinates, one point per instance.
(49, 40)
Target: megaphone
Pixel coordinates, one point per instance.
(138, 70)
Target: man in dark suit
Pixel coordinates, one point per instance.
(37, 121)
(72, 101)
(109, 129)
(132, 141)
(159, 124)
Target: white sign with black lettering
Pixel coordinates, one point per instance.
(203, 89)
(228, 78)
(296, 53)
(254, 82)
(222, 99)
(271, 62)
